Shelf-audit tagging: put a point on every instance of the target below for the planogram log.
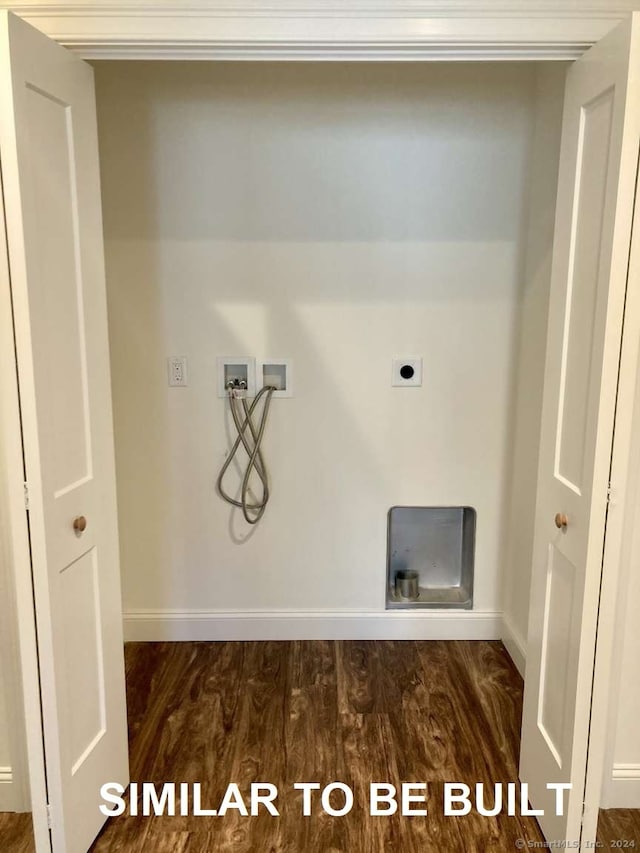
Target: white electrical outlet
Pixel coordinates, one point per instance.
(406, 372)
(177, 371)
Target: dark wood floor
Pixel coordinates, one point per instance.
(321, 711)
(16, 833)
(354, 712)
(619, 825)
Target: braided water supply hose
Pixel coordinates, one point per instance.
(250, 438)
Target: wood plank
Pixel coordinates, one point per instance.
(358, 677)
(187, 696)
(365, 740)
(421, 734)
(498, 686)
(474, 754)
(259, 749)
(312, 740)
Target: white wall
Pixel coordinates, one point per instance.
(623, 786)
(4, 725)
(531, 354)
(621, 783)
(14, 793)
(337, 215)
(6, 794)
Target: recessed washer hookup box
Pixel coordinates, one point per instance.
(438, 544)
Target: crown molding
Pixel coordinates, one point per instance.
(409, 30)
(334, 8)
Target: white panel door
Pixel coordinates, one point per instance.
(49, 156)
(598, 165)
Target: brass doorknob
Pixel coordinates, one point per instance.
(561, 521)
(80, 524)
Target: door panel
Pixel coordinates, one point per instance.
(584, 275)
(555, 663)
(596, 185)
(50, 176)
(57, 285)
(83, 652)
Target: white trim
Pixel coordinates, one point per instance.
(154, 625)
(278, 52)
(330, 8)
(514, 644)
(626, 773)
(7, 790)
(326, 29)
(10, 660)
(618, 557)
(622, 790)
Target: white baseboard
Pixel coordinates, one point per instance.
(7, 798)
(622, 790)
(514, 644)
(156, 625)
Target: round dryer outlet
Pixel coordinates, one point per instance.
(406, 372)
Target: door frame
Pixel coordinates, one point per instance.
(16, 555)
(618, 555)
(384, 30)
(418, 30)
